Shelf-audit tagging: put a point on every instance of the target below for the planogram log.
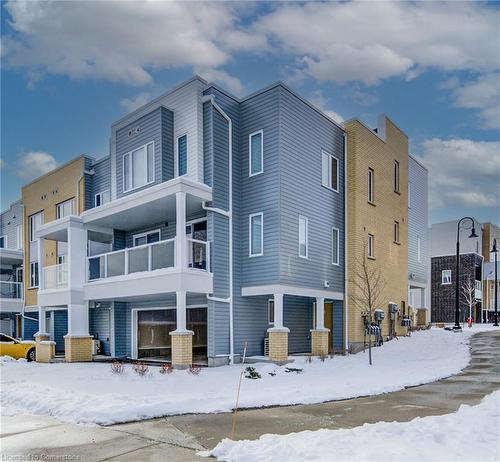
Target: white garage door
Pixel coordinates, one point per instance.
(6, 326)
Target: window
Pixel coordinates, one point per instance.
(330, 171)
(19, 237)
(35, 221)
(256, 153)
(138, 167)
(396, 176)
(66, 208)
(419, 250)
(335, 246)
(396, 232)
(371, 246)
(3, 242)
(270, 311)
(182, 155)
(371, 185)
(303, 238)
(256, 235)
(146, 238)
(446, 277)
(34, 274)
(101, 198)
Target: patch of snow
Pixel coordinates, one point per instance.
(471, 433)
(89, 393)
(9, 359)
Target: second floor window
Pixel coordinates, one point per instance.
(256, 153)
(446, 277)
(371, 246)
(3, 242)
(329, 171)
(396, 176)
(147, 238)
(303, 238)
(256, 235)
(371, 185)
(66, 208)
(34, 274)
(101, 198)
(138, 167)
(35, 221)
(396, 232)
(182, 146)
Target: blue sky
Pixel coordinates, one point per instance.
(70, 69)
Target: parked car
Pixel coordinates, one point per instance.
(17, 349)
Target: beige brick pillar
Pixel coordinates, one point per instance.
(39, 337)
(278, 335)
(319, 342)
(77, 348)
(45, 351)
(182, 339)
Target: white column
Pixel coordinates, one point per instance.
(77, 256)
(278, 311)
(180, 230)
(78, 320)
(42, 322)
(181, 311)
(41, 262)
(320, 313)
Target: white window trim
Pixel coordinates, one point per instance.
(101, 194)
(261, 132)
(30, 218)
(338, 246)
(372, 254)
(145, 234)
(269, 301)
(5, 246)
(72, 201)
(302, 217)
(371, 190)
(396, 232)
(19, 237)
(129, 154)
(177, 154)
(31, 275)
(397, 174)
(442, 278)
(330, 169)
(250, 254)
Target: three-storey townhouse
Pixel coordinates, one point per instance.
(11, 270)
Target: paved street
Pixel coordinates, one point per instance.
(178, 438)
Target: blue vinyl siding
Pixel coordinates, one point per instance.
(100, 326)
(298, 317)
(121, 315)
(182, 154)
(30, 327)
(60, 318)
(101, 180)
(338, 325)
(9, 220)
(167, 143)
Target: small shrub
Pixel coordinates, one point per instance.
(166, 369)
(293, 369)
(194, 370)
(140, 368)
(272, 374)
(251, 373)
(117, 367)
(309, 359)
(322, 358)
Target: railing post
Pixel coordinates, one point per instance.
(150, 257)
(125, 270)
(106, 265)
(207, 249)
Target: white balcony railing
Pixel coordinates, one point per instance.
(55, 277)
(9, 289)
(198, 254)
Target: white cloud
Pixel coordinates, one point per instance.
(320, 101)
(33, 164)
(130, 104)
(229, 82)
(462, 172)
(2, 163)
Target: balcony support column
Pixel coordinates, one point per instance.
(41, 262)
(78, 342)
(278, 335)
(180, 230)
(182, 339)
(77, 255)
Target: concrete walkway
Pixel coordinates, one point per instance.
(178, 438)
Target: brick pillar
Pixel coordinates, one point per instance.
(77, 348)
(319, 342)
(182, 349)
(45, 351)
(40, 338)
(278, 344)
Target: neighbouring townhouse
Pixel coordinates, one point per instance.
(490, 232)
(443, 238)
(214, 225)
(418, 242)
(377, 227)
(11, 270)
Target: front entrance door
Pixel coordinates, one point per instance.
(329, 323)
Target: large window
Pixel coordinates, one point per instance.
(396, 232)
(446, 277)
(35, 221)
(256, 235)
(182, 155)
(66, 208)
(335, 246)
(34, 274)
(329, 171)
(303, 238)
(147, 237)
(371, 185)
(371, 246)
(396, 176)
(256, 153)
(138, 167)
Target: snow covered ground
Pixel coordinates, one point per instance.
(471, 433)
(89, 393)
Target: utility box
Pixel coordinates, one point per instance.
(378, 315)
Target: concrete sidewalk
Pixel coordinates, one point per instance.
(178, 438)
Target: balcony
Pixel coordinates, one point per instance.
(55, 277)
(11, 296)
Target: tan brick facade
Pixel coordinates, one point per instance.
(45, 351)
(182, 349)
(366, 150)
(319, 342)
(78, 349)
(278, 345)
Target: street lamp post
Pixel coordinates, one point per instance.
(457, 327)
(495, 251)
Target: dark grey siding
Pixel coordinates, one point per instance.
(298, 317)
(100, 326)
(167, 144)
(30, 327)
(119, 239)
(60, 318)
(9, 220)
(121, 315)
(101, 180)
(338, 325)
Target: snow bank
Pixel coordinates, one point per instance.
(471, 433)
(91, 394)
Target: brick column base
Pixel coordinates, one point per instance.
(40, 338)
(45, 351)
(77, 348)
(278, 344)
(182, 349)
(319, 342)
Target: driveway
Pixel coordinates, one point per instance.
(178, 438)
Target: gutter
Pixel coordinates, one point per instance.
(229, 215)
(346, 298)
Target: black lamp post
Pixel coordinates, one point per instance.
(457, 327)
(495, 251)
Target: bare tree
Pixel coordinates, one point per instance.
(368, 287)
(469, 294)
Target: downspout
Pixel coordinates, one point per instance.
(346, 274)
(229, 215)
(24, 282)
